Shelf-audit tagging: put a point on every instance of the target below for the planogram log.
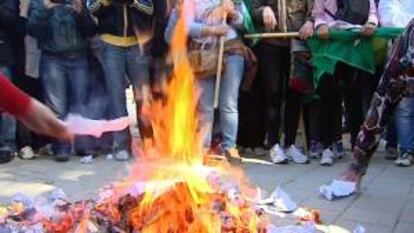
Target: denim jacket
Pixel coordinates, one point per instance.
(60, 30)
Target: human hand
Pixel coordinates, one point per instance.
(323, 32)
(43, 121)
(228, 8)
(269, 19)
(368, 29)
(306, 30)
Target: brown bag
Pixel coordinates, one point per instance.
(203, 62)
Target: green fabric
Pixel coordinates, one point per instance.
(248, 24)
(349, 47)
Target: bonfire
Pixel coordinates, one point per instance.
(173, 187)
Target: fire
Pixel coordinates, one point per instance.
(176, 193)
(189, 203)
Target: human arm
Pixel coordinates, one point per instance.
(37, 22)
(371, 25)
(307, 29)
(32, 113)
(233, 12)
(197, 29)
(263, 14)
(87, 24)
(388, 93)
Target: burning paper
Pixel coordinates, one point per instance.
(338, 189)
(79, 125)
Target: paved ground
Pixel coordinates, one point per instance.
(386, 205)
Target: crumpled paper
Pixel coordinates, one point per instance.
(279, 201)
(86, 159)
(338, 189)
(308, 227)
(24, 200)
(79, 125)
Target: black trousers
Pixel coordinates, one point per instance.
(274, 68)
(325, 114)
(24, 136)
(350, 86)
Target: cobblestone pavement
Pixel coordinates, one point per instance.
(386, 204)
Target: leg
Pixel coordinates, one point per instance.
(7, 131)
(54, 81)
(114, 66)
(292, 115)
(273, 81)
(404, 119)
(315, 129)
(229, 94)
(78, 79)
(206, 108)
(138, 74)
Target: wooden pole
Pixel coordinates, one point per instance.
(272, 35)
(219, 67)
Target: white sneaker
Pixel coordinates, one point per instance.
(327, 157)
(27, 153)
(404, 160)
(294, 154)
(277, 155)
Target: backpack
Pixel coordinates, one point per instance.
(352, 11)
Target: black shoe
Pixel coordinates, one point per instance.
(6, 156)
(62, 157)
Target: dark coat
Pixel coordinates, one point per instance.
(9, 18)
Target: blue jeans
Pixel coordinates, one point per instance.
(120, 63)
(7, 123)
(229, 94)
(404, 121)
(64, 83)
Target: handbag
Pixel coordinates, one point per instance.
(203, 61)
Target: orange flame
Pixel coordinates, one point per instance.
(183, 201)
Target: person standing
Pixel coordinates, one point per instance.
(274, 66)
(326, 114)
(125, 28)
(398, 13)
(9, 13)
(395, 85)
(62, 29)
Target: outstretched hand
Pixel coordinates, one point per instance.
(42, 120)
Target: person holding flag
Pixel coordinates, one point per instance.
(276, 67)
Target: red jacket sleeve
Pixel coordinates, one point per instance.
(13, 100)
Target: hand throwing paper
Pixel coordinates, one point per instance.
(79, 125)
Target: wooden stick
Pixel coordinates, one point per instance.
(272, 35)
(219, 67)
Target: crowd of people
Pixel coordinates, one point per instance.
(79, 56)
